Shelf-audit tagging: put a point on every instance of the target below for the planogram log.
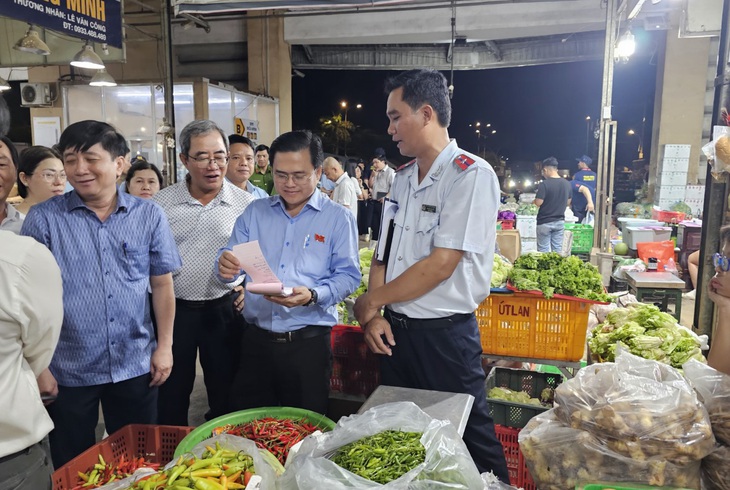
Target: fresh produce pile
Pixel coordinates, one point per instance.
(633, 420)
(275, 435)
(716, 469)
(681, 207)
(218, 469)
(366, 258)
(499, 393)
(633, 209)
(525, 209)
(553, 274)
(646, 332)
(382, 457)
(103, 472)
(500, 271)
(505, 215)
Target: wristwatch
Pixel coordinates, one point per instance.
(313, 299)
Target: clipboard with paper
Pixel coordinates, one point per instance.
(262, 279)
(387, 227)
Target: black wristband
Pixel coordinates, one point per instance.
(313, 299)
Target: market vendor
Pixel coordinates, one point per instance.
(311, 244)
(440, 261)
(584, 188)
(110, 247)
(719, 292)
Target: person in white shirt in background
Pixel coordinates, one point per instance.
(31, 313)
(344, 192)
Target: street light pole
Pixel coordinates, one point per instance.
(588, 132)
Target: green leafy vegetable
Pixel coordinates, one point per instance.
(498, 393)
(500, 271)
(553, 274)
(646, 332)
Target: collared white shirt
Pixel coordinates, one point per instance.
(345, 193)
(451, 208)
(383, 181)
(199, 232)
(31, 313)
(13, 220)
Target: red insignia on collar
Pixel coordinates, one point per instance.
(463, 161)
(405, 165)
(319, 238)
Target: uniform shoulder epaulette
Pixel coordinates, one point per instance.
(405, 165)
(464, 161)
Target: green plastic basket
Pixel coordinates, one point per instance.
(582, 237)
(205, 431)
(516, 415)
(621, 486)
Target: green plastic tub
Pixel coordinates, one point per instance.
(205, 431)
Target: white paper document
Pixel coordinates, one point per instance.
(389, 210)
(262, 279)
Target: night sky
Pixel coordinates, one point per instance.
(537, 111)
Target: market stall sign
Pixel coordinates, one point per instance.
(96, 20)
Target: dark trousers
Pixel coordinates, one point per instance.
(289, 374)
(208, 327)
(376, 212)
(29, 469)
(363, 217)
(75, 413)
(448, 359)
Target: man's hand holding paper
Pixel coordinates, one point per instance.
(249, 258)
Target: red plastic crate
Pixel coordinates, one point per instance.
(507, 224)
(519, 475)
(355, 369)
(667, 216)
(156, 443)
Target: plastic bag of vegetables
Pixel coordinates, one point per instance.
(713, 388)
(641, 409)
(559, 457)
(500, 270)
(446, 461)
(716, 469)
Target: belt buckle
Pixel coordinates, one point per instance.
(283, 338)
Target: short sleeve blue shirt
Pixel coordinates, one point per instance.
(107, 333)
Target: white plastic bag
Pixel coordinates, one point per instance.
(448, 464)
(589, 218)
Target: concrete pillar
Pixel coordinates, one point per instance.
(269, 71)
(679, 102)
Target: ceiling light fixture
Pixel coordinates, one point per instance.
(626, 46)
(32, 43)
(87, 58)
(4, 85)
(102, 79)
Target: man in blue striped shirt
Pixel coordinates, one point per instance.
(110, 247)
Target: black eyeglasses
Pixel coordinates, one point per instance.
(204, 162)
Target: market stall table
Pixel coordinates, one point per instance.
(663, 286)
(441, 405)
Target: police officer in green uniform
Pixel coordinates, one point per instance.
(262, 176)
(439, 264)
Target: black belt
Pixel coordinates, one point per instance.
(403, 321)
(285, 337)
(22, 452)
(206, 302)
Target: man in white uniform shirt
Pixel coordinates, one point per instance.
(440, 261)
(344, 192)
(381, 178)
(31, 313)
(201, 210)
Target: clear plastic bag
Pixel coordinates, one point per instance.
(227, 441)
(639, 408)
(718, 155)
(491, 482)
(716, 469)
(448, 464)
(713, 388)
(561, 457)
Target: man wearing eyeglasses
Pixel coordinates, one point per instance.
(201, 211)
(311, 244)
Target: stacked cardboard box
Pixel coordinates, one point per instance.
(672, 177)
